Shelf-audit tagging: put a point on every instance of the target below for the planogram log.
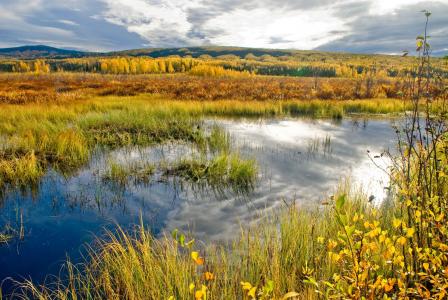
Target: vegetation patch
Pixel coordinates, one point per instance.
(220, 173)
(122, 174)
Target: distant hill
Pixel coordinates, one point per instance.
(40, 51)
(213, 51)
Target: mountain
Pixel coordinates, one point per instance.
(40, 51)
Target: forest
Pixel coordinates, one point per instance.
(311, 65)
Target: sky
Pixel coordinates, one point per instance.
(362, 26)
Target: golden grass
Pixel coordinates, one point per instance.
(67, 88)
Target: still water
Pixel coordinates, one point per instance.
(299, 160)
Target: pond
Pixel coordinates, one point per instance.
(298, 160)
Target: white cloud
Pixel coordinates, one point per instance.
(160, 22)
(167, 23)
(382, 7)
(68, 22)
(262, 23)
(258, 27)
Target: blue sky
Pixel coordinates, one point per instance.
(365, 26)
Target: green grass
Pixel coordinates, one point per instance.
(218, 140)
(224, 171)
(123, 174)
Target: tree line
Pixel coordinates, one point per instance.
(224, 66)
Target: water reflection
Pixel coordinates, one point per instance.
(299, 159)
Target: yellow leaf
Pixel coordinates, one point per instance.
(195, 255)
(198, 260)
(388, 287)
(332, 244)
(320, 240)
(396, 223)
(426, 266)
(410, 232)
(192, 286)
(252, 292)
(246, 285)
(209, 276)
(335, 257)
(401, 240)
(198, 295)
(201, 294)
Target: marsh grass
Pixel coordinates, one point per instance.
(36, 137)
(10, 232)
(20, 171)
(211, 164)
(222, 172)
(282, 247)
(63, 136)
(123, 174)
(218, 140)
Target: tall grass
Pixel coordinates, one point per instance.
(20, 171)
(281, 248)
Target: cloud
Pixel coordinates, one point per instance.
(174, 23)
(378, 26)
(393, 31)
(68, 22)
